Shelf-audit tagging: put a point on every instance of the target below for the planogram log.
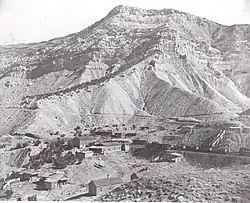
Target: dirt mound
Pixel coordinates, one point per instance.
(209, 160)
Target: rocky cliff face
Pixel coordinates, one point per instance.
(131, 64)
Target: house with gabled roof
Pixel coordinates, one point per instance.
(53, 181)
(27, 174)
(106, 147)
(103, 186)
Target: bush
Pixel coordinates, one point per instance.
(18, 146)
(37, 142)
(9, 193)
(60, 163)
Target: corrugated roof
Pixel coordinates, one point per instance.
(107, 181)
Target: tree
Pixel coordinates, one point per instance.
(18, 145)
(78, 131)
(9, 193)
(37, 142)
(59, 163)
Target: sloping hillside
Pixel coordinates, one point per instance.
(106, 74)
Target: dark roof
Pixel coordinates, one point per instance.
(107, 181)
(134, 175)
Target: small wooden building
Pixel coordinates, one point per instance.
(236, 129)
(97, 149)
(87, 154)
(106, 147)
(112, 147)
(178, 157)
(246, 130)
(118, 135)
(103, 186)
(26, 175)
(125, 147)
(52, 182)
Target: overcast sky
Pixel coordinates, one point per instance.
(38, 20)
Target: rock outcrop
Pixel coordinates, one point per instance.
(131, 64)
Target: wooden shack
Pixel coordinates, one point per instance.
(125, 147)
(27, 174)
(103, 186)
(52, 182)
(107, 147)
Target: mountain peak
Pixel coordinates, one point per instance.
(136, 10)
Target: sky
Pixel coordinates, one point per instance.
(24, 21)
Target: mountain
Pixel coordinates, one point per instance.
(132, 65)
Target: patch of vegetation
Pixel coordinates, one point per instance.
(53, 154)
